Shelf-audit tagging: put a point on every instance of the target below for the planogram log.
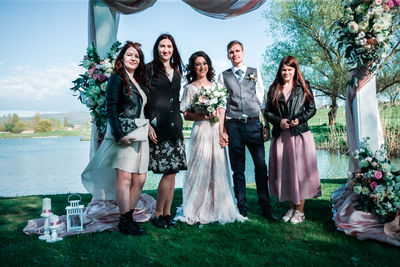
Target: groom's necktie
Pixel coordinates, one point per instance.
(239, 72)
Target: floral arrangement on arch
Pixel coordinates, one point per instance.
(366, 31)
(206, 100)
(91, 86)
(377, 183)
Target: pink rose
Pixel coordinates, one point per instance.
(202, 98)
(378, 175)
(378, 2)
(91, 70)
(390, 3)
(101, 77)
(373, 185)
(396, 2)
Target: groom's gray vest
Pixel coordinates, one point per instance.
(242, 97)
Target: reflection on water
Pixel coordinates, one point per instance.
(35, 166)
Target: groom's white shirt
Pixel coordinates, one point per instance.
(259, 85)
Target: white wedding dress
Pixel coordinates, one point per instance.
(207, 187)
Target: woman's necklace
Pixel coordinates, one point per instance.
(287, 90)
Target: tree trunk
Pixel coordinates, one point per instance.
(332, 112)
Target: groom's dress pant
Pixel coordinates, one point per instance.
(248, 134)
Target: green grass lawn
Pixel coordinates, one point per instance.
(253, 243)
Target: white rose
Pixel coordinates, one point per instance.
(348, 17)
(353, 27)
(380, 38)
(377, 27)
(363, 25)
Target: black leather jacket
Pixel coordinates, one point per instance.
(295, 107)
(120, 104)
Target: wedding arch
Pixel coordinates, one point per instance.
(362, 120)
(104, 19)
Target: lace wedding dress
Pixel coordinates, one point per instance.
(207, 187)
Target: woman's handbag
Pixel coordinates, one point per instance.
(137, 128)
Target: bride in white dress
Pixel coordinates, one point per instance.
(207, 187)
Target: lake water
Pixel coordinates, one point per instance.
(38, 166)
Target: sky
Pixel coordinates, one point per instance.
(43, 43)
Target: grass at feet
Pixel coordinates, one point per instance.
(253, 243)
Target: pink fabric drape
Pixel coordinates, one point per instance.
(129, 6)
(224, 9)
(220, 9)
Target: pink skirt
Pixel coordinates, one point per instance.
(293, 171)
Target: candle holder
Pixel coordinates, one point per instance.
(54, 224)
(46, 234)
(46, 213)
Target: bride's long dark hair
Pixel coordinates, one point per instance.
(191, 75)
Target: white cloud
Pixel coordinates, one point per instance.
(30, 88)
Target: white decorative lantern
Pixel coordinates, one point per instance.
(74, 214)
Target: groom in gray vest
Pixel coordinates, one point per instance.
(246, 98)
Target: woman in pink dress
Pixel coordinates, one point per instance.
(293, 172)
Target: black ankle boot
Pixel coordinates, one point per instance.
(128, 226)
(159, 222)
(170, 221)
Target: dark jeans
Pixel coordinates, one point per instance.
(248, 134)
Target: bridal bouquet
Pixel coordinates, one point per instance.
(377, 183)
(91, 86)
(206, 100)
(366, 30)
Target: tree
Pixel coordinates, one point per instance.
(19, 127)
(42, 126)
(307, 31)
(36, 119)
(10, 124)
(66, 122)
(392, 94)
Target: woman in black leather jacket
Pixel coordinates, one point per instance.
(293, 172)
(118, 169)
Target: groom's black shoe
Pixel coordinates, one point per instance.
(170, 221)
(268, 215)
(159, 222)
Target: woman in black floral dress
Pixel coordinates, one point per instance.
(167, 150)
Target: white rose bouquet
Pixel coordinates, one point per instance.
(90, 87)
(206, 100)
(366, 31)
(377, 182)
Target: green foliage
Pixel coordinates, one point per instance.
(19, 127)
(305, 31)
(13, 125)
(42, 126)
(316, 242)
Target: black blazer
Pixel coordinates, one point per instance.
(295, 107)
(120, 104)
(164, 105)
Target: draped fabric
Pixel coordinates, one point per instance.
(102, 33)
(360, 224)
(224, 9)
(130, 6)
(99, 215)
(220, 9)
(362, 114)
